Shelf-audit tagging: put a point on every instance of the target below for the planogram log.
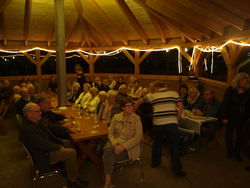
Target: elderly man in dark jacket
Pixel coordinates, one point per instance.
(44, 147)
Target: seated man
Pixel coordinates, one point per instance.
(208, 106)
(44, 147)
(125, 134)
(53, 119)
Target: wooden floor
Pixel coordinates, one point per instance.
(206, 168)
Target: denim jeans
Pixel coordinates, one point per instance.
(173, 137)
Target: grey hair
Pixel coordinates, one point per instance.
(111, 92)
(238, 77)
(28, 107)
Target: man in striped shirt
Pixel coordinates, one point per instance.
(167, 108)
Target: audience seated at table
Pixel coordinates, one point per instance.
(104, 86)
(102, 103)
(26, 98)
(124, 138)
(120, 82)
(183, 91)
(107, 112)
(52, 84)
(193, 98)
(136, 90)
(75, 92)
(16, 93)
(97, 82)
(5, 91)
(54, 120)
(208, 105)
(45, 148)
(91, 106)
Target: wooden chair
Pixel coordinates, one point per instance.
(121, 164)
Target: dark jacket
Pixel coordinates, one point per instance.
(212, 109)
(236, 106)
(39, 141)
(53, 123)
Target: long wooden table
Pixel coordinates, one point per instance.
(88, 129)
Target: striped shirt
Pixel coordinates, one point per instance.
(164, 105)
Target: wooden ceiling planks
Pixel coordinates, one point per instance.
(116, 23)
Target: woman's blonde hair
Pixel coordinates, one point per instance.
(239, 76)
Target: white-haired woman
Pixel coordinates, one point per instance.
(235, 112)
(75, 92)
(193, 98)
(91, 106)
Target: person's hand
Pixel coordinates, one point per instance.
(118, 148)
(225, 121)
(199, 113)
(68, 124)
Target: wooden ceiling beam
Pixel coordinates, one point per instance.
(111, 23)
(4, 4)
(85, 22)
(158, 27)
(75, 26)
(166, 20)
(183, 20)
(3, 28)
(221, 13)
(194, 16)
(98, 28)
(132, 19)
(27, 11)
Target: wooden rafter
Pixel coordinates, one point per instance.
(167, 21)
(29, 57)
(97, 28)
(185, 21)
(86, 36)
(185, 54)
(132, 19)
(158, 27)
(4, 4)
(26, 24)
(45, 58)
(75, 26)
(197, 17)
(111, 23)
(221, 13)
(3, 28)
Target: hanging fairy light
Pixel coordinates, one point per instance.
(212, 63)
(205, 64)
(179, 62)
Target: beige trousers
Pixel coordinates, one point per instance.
(69, 157)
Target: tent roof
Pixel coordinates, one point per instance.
(114, 23)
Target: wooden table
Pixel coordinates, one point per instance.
(88, 128)
(194, 122)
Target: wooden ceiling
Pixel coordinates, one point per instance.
(104, 24)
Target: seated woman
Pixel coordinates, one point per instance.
(75, 92)
(136, 90)
(125, 134)
(91, 106)
(193, 98)
(106, 114)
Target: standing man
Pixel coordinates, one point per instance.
(167, 109)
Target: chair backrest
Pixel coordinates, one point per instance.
(33, 170)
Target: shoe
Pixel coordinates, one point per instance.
(180, 174)
(77, 183)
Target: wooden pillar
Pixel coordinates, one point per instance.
(136, 60)
(230, 54)
(60, 52)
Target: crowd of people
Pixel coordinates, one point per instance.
(129, 110)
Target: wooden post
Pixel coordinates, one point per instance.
(60, 51)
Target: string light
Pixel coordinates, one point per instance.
(179, 62)
(212, 63)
